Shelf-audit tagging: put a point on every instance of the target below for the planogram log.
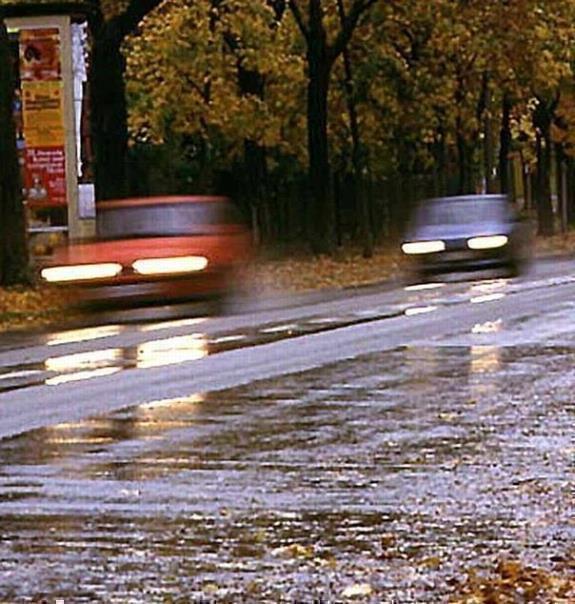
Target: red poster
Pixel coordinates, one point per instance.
(40, 55)
(45, 176)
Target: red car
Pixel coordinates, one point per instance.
(154, 250)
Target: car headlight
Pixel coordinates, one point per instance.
(168, 266)
(487, 242)
(80, 272)
(423, 247)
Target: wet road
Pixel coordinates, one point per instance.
(377, 445)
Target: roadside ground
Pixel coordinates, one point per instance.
(24, 308)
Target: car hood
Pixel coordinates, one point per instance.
(216, 248)
(456, 231)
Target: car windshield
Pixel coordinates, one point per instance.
(462, 211)
(177, 219)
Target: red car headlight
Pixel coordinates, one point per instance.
(80, 272)
(169, 266)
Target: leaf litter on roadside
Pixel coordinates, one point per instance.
(511, 582)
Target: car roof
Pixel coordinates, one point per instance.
(158, 200)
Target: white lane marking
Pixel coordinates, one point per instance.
(419, 310)
(226, 339)
(172, 324)
(487, 298)
(423, 286)
(323, 320)
(81, 375)
(280, 328)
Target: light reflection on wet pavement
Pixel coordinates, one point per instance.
(399, 470)
(55, 369)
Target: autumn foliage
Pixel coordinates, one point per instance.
(421, 98)
(462, 96)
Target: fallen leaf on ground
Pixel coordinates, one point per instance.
(295, 550)
(357, 590)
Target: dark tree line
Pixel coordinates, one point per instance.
(13, 246)
(108, 96)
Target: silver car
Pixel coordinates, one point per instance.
(468, 232)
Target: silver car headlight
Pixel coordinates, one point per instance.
(423, 247)
(169, 266)
(488, 242)
(80, 272)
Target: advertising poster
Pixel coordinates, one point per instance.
(45, 178)
(43, 111)
(42, 107)
(40, 55)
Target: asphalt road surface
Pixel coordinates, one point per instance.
(373, 446)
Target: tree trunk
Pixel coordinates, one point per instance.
(255, 161)
(323, 210)
(542, 118)
(505, 145)
(544, 204)
(13, 243)
(365, 226)
(439, 152)
(109, 114)
(465, 177)
(488, 143)
(570, 191)
(256, 192)
(527, 185)
(561, 185)
(320, 59)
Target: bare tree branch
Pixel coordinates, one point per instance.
(125, 23)
(350, 21)
(278, 6)
(299, 18)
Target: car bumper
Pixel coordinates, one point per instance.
(148, 292)
(466, 260)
